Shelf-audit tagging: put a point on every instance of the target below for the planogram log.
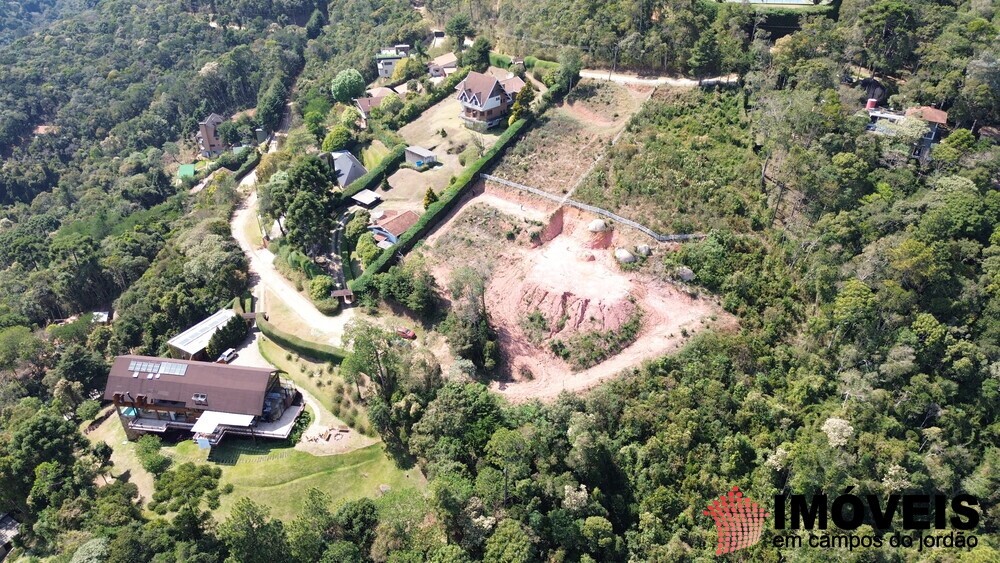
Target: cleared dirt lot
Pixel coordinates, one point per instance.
(553, 280)
(408, 186)
(559, 150)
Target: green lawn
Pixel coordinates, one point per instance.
(123, 455)
(281, 477)
(373, 154)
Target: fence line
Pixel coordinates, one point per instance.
(592, 209)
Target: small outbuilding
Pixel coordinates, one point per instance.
(191, 344)
(419, 156)
(366, 199)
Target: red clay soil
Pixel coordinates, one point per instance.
(573, 280)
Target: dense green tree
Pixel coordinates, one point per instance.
(348, 85)
(252, 536)
(339, 138)
(309, 223)
(509, 544)
(458, 28)
(477, 57)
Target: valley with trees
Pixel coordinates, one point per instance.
(760, 250)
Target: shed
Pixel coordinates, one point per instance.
(418, 155)
(191, 344)
(366, 198)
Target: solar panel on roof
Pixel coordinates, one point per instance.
(173, 368)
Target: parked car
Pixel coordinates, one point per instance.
(406, 333)
(227, 356)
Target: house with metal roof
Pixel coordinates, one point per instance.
(366, 199)
(191, 344)
(209, 400)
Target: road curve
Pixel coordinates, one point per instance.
(262, 264)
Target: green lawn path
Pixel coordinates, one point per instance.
(280, 478)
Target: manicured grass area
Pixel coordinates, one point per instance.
(123, 455)
(284, 318)
(373, 154)
(281, 477)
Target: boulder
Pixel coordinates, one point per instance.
(597, 226)
(685, 273)
(624, 256)
(643, 250)
(586, 257)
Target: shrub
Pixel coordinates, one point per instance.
(88, 410)
(300, 426)
(229, 336)
(320, 287)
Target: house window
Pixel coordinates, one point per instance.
(199, 398)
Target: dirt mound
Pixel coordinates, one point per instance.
(566, 313)
(541, 295)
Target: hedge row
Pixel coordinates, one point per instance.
(313, 350)
(498, 60)
(248, 164)
(388, 138)
(532, 62)
(437, 210)
(386, 167)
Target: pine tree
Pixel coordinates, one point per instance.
(429, 197)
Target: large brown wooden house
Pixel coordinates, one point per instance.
(210, 400)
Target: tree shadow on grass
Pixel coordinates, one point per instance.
(398, 453)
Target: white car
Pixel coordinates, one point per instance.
(227, 356)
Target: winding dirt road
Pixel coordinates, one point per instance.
(262, 264)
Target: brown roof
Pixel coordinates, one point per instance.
(447, 59)
(512, 85)
(380, 92)
(366, 104)
(479, 86)
(927, 113)
(400, 223)
(228, 388)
